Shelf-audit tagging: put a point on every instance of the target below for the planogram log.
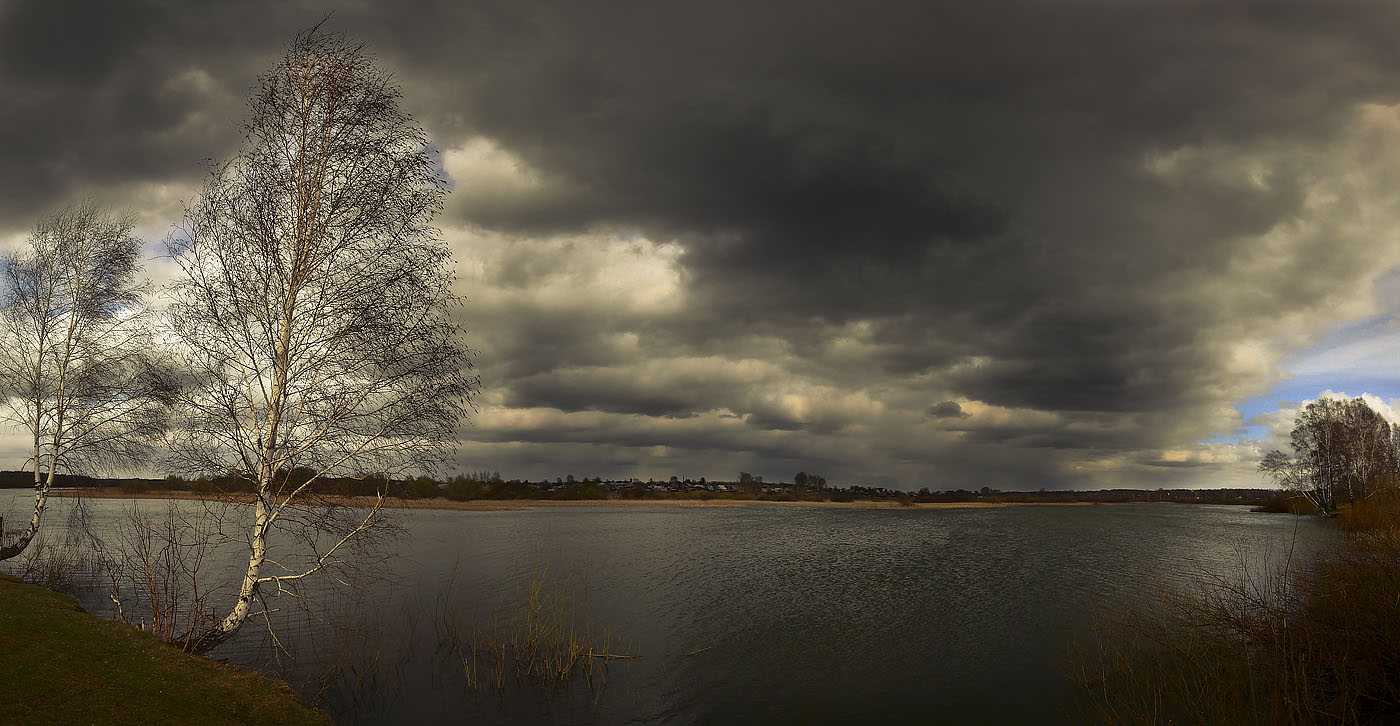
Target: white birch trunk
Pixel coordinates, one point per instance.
(41, 498)
(262, 515)
(242, 606)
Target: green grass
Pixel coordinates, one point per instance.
(60, 665)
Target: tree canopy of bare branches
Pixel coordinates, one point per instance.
(314, 305)
(1343, 451)
(74, 350)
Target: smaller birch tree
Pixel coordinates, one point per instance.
(74, 351)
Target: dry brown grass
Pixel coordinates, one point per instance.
(1313, 642)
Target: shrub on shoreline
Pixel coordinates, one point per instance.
(1286, 502)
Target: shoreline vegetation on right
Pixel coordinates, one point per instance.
(1313, 640)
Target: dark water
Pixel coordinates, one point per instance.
(805, 615)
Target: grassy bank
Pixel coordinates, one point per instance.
(63, 666)
(1317, 642)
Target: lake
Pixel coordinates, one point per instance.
(763, 614)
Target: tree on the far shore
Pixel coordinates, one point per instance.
(1343, 452)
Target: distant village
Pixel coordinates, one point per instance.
(622, 488)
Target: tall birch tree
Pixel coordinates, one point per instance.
(78, 376)
(314, 308)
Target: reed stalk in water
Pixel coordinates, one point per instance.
(539, 636)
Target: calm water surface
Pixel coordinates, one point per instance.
(807, 615)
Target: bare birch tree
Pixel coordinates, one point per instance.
(1343, 452)
(314, 307)
(74, 351)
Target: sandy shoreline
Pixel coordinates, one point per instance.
(510, 505)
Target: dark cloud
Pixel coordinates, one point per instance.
(947, 409)
(1093, 222)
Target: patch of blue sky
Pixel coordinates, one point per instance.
(1360, 356)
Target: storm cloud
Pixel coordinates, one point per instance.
(1024, 244)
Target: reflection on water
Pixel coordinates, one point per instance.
(763, 614)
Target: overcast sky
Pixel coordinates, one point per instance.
(1016, 244)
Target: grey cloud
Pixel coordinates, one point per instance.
(947, 409)
(1176, 464)
(1080, 208)
(615, 388)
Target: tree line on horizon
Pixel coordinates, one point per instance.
(491, 486)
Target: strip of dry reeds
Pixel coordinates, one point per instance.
(1315, 641)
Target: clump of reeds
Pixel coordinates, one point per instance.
(1312, 642)
(539, 636)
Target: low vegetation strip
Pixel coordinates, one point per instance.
(1316, 641)
(487, 491)
(503, 505)
(63, 666)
